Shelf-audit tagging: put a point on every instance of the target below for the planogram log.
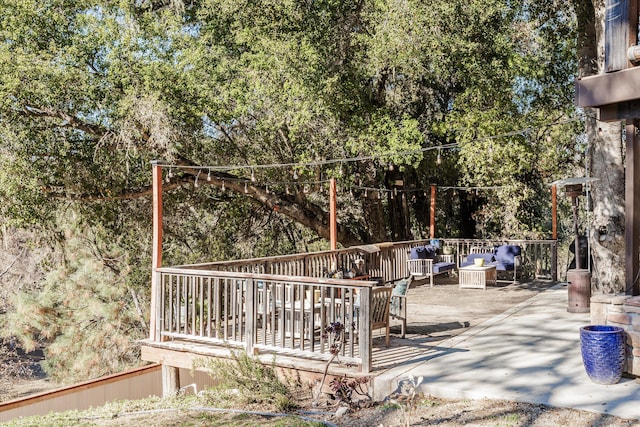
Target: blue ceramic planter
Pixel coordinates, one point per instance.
(603, 352)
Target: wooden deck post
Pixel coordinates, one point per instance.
(170, 374)
(250, 312)
(632, 210)
(170, 381)
(365, 332)
(432, 213)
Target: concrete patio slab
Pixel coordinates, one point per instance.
(528, 353)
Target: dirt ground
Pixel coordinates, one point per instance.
(450, 311)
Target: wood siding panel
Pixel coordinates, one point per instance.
(616, 35)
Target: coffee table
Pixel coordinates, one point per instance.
(476, 277)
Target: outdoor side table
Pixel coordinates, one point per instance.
(476, 277)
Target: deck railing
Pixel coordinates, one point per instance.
(387, 262)
(285, 315)
(284, 304)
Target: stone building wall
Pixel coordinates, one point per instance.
(623, 311)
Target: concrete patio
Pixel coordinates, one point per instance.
(528, 352)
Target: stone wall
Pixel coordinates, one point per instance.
(623, 311)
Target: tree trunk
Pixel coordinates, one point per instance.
(398, 207)
(604, 157)
(607, 237)
(374, 218)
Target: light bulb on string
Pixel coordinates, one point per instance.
(266, 189)
(209, 176)
(366, 193)
(223, 188)
(438, 159)
(246, 189)
(295, 174)
(253, 175)
(195, 183)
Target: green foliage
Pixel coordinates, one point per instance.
(84, 313)
(256, 382)
(91, 91)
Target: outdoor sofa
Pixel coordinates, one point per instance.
(506, 258)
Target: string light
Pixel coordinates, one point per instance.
(246, 189)
(341, 162)
(372, 157)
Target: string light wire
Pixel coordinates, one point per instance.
(341, 161)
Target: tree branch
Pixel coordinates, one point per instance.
(68, 120)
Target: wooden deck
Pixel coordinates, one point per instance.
(264, 307)
(436, 314)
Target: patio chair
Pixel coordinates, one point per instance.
(424, 262)
(380, 302)
(398, 307)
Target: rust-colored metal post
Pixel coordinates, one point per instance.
(333, 225)
(156, 258)
(432, 213)
(554, 232)
(554, 212)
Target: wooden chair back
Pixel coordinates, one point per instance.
(380, 301)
